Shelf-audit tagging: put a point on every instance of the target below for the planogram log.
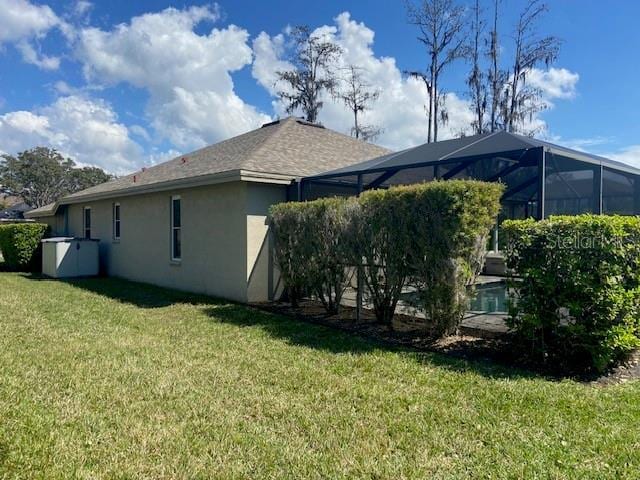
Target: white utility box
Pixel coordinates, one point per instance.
(65, 257)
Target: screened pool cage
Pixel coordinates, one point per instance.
(541, 179)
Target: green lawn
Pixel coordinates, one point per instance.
(110, 379)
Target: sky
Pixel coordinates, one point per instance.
(122, 84)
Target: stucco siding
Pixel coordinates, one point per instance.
(262, 276)
(213, 239)
(226, 249)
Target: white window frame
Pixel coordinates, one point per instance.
(84, 222)
(173, 228)
(117, 221)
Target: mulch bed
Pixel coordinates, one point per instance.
(408, 332)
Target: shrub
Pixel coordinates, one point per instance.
(381, 240)
(451, 222)
(578, 301)
(310, 243)
(431, 235)
(20, 244)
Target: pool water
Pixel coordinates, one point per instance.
(490, 298)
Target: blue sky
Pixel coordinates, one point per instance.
(120, 84)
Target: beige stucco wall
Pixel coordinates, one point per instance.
(56, 224)
(225, 241)
(262, 276)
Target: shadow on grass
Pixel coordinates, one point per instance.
(301, 333)
(291, 330)
(142, 295)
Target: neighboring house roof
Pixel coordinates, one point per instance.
(476, 145)
(279, 151)
(15, 211)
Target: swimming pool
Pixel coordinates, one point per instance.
(490, 298)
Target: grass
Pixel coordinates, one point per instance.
(104, 378)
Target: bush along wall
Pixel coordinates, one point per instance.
(578, 301)
(20, 245)
(431, 236)
(310, 242)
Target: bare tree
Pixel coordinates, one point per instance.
(313, 58)
(496, 77)
(521, 100)
(358, 96)
(476, 79)
(441, 24)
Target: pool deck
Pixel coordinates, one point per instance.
(476, 324)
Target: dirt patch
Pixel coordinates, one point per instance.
(410, 332)
(629, 370)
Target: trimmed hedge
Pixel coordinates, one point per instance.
(20, 244)
(310, 246)
(578, 302)
(451, 221)
(431, 236)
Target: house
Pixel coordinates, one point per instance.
(199, 222)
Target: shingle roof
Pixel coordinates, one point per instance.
(289, 147)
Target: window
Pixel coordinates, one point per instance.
(116, 221)
(176, 223)
(86, 223)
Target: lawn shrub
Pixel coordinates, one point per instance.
(578, 302)
(382, 237)
(451, 223)
(20, 244)
(311, 247)
(432, 236)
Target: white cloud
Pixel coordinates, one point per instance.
(30, 55)
(22, 23)
(400, 109)
(192, 98)
(85, 129)
(555, 83)
(20, 19)
(629, 155)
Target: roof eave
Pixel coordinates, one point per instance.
(190, 182)
(42, 213)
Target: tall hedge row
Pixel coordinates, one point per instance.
(578, 299)
(431, 236)
(20, 244)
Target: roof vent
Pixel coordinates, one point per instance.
(134, 178)
(144, 169)
(268, 124)
(309, 124)
(183, 160)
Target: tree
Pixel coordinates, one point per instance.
(496, 76)
(358, 96)
(313, 59)
(441, 24)
(521, 100)
(476, 79)
(42, 175)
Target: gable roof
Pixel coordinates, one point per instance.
(278, 152)
(476, 145)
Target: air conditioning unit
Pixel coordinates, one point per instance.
(67, 257)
